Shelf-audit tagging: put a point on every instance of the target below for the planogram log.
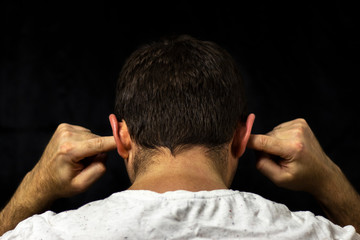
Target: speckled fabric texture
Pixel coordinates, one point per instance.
(218, 214)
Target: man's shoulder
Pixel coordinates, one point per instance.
(138, 213)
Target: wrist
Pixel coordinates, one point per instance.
(39, 188)
(331, 184)
(26, 201)
(339, 199)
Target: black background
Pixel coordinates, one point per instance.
(60, 62)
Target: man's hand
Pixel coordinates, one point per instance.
(291, 157)
(72, 161)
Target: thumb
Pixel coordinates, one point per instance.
(269, 168)
(90, 174)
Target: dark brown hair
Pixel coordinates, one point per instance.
(180, 92)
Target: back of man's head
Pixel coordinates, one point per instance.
(180, 92)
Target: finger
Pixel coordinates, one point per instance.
(83, 136)
(67, 131)
(282, 133)
(268, 144)
(269, 168)
(93, 146)
(88, 176)
(101, 157)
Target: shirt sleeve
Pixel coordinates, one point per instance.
(34, 227)
(321, 228)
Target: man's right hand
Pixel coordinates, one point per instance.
(72, 161)
(291, 157)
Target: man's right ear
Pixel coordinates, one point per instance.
(121, 135)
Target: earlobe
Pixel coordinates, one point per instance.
(121, 135)
(242, 136)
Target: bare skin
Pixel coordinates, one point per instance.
(300, 164)
(190, 170)
(59, 173)
(193, 175)
(292, 158)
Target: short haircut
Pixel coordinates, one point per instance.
(180, 92)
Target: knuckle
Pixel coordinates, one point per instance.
(65, 132)
(298, 146)
(63, 126)
(66, 147)
(98, 143)
(301, 121)
(263, 142)
(299, 131)
(95, 144)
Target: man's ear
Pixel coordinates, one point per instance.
(121, 135)
(241, 136)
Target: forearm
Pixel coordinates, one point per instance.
(340, 201)
(303, 165)
(59, 173)
(27, 201)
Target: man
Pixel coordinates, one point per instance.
(181, 126)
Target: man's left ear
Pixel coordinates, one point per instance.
(121, 135)
(241, 136)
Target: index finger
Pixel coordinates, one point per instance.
(94, 146)
(267, 144)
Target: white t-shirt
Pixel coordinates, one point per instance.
(218, 214)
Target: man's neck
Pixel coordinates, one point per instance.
(190, 171)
